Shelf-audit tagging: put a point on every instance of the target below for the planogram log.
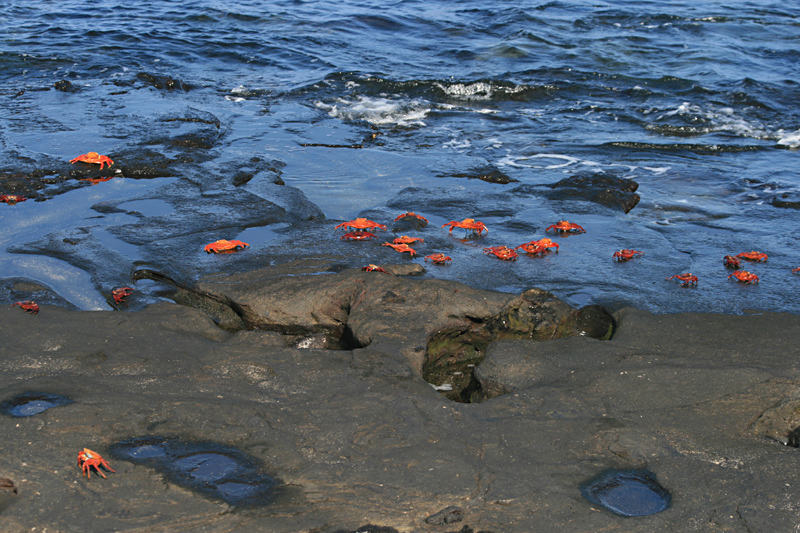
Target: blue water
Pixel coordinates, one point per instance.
(694, 101)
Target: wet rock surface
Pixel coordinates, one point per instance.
(356, 436)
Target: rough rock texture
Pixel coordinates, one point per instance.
(357, 437)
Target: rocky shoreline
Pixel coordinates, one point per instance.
(299, 398)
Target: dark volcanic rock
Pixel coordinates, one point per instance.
(604, 189)
(356, 436)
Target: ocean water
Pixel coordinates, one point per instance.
(448, 109)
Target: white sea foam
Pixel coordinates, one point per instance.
(379, 111)
(792, 140)
(717, 119)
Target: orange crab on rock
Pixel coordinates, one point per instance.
(469, 224)
(405, 239)
(358, 236)
(94, 158)
(731, 262)
(744, 276)
(120, 294)
(796, 270)
(753, 256)
(28, 306)
(540, 247)
(411, 214)
(686, 279)
(439, 259)
(564, 226)
(225, 247)
(87, 459)
(626, 255)
(401, 248)
(12, 199)
(503, 252)
(374, 268)
(360, 224)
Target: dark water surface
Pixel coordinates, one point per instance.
(377, 108)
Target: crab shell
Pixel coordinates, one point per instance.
(439, 259)
(744, 276)
(566, 227)
(95, 158)
(407, 240)
(467, 224)
(503, 252)
(753, 256)
(28, 306)
(374, 268)
(539, 247)
(222, 246)
(120, 294)
(88, 459)
(12, 199)
(411, 214)
(401, 248)
(360, 223)
(687, 278)
(358, 236)
(627, 254)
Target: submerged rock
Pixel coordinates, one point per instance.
(32, 403)
(627, 492)
(608, 190)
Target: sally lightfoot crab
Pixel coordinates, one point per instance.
(686, 279)
(11, 199)
(626, 255)
(94, 158)
(439, 259)
(469, 224)
(87, 459)
(401, 248)
(360, 224)
(225, 247)
(28, 306)
(744, 276)
(411, 214)
(540, 247)
(753, 256)
(120, 294)
(374, 268)
(503, 252)
(564, 226)
(358, 236)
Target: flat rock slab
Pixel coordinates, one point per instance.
(357, 436)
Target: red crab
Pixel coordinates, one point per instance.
(28, 306)
(402, 248)
(93, 157)
(796, 270)
(374, 268)
(439, 259)
(564, 226)
(469, 224)
(503, 252)
(407, 240)
(358, 236)
(731, 262)
(540, 247)
(11, 199)
(360, 224)
(120, 294)
(411, 214)
(753, 256)
(626, 255)
(686, 279)
(744, 276)
(225, 247)
(88, 459)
